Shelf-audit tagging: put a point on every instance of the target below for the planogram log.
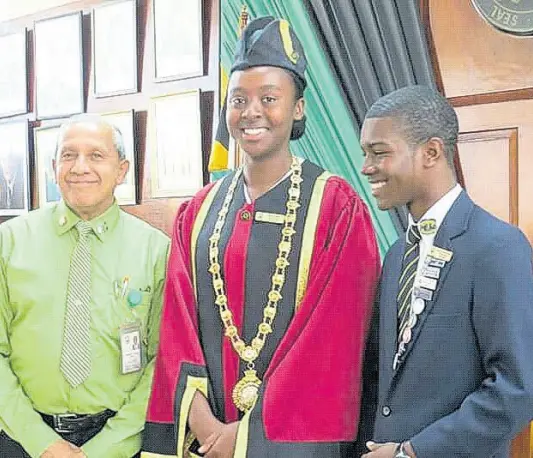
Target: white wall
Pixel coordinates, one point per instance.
(11, 9)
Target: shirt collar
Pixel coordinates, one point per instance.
(437, 211)
(288, 174)
(65, 219)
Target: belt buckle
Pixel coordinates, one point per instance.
(59, 426)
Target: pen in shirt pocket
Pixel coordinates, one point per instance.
(120, 288)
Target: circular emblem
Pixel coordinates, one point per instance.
(246, 390)
(512, 16)
(428, 226)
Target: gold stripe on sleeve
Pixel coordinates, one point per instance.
(309, 232)
(194, 384)
(198, 223)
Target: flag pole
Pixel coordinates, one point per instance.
(243, 22)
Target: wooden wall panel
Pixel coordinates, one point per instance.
(497, 152)
(474, 57)
(501, 116)
(159, 212)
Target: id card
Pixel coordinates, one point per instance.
(130, 348)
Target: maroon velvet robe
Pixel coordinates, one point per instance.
(312, 363)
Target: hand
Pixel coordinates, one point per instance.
(221, 443)
(387, 450)
(63, 449)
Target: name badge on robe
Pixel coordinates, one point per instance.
(130, 348)
(274, 218)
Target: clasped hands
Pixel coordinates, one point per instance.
(63, 449)
(386, 450)
(221, 442)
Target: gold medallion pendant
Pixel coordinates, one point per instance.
(245, 391)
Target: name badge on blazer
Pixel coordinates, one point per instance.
(428, 283)
(431, 272)
(441, 253)
(423, 293)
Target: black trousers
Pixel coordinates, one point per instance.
(11, 449)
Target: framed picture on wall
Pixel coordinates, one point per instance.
(175, 139)
(114, 45)
(14, 176)
(178, 39)
(126, 193)
(45, 144)
(59, 66)
(13, 74)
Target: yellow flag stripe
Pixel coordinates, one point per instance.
(219, 157)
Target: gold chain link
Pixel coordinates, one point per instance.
(249, 353)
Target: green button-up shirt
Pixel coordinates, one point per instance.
(35, 252)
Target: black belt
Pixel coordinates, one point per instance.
(74, 423)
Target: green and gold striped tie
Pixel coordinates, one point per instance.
(407, 278)
(76, 351)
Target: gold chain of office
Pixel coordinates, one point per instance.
(245, 391)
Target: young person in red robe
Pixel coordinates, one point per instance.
(270, 286)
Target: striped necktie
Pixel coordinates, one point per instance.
(407, 278)
(76, 351)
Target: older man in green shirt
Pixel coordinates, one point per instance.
(80, 301)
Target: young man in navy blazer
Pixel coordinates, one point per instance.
(454, 314)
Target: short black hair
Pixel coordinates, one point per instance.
(422, 113)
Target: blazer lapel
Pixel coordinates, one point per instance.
(389, 309)
(454, 224)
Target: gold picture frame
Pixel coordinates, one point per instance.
(175, 139)
(178, 39)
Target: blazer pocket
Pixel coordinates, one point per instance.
(438, 320)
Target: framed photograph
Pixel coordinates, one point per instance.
(115, 48)
(126, 193)
(59, 66)
(13, 74)
(14, 176)
(45, 144)
(178, 39)
(175, 145)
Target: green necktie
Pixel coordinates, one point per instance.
(76, 352)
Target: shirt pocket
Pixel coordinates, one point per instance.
(137, 311)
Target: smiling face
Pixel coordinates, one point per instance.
(393, 167)
(261, 109)
(88, 168)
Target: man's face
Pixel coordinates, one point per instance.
(392, 167)
(261, 109)
(88, 168)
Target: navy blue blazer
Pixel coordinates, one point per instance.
(465, 387)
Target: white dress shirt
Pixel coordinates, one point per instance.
(438, 212)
